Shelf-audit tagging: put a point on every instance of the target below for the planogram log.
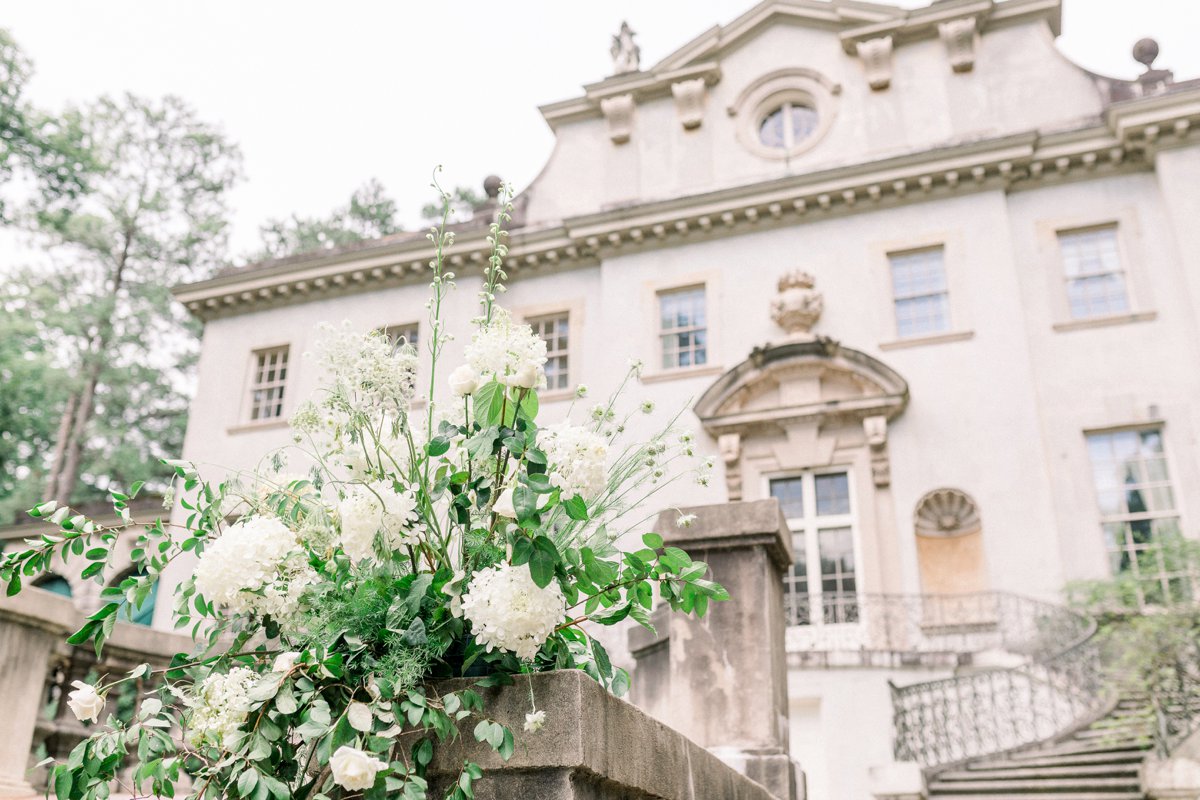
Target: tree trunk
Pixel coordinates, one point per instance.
(65, 470)
(60, 448)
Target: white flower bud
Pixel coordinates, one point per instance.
(535, 721)
(464, 381)
(353, 769)
(526, 377)
(85, 702)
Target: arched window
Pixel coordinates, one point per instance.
(143, 614)
(54, 583)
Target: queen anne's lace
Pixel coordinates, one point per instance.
(220, 705)
(377, 508)
(510, 353)
(577, 457)
(508, 610)
(256, 567)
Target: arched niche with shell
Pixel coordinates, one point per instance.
(947, 513)
(950, 551)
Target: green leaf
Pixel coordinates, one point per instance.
(540, 483)
(576, 508)
(525, 502)
(246, 782)
(653, 541)
(14, 585)
(488, 402)
(603, 663)
(438, 446)
(522, 551)
(542, 561)
(415, 635)
(529, 404)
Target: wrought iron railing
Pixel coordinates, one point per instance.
(1057, 685)
(947, 623)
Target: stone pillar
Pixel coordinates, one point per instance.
(722, 680)
(26, 643)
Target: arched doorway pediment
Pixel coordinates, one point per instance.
(798, 381)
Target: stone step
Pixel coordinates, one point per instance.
(1038, 785)
(1070, 748)
(1120, 757)
(1085, 795)
(1104, 769)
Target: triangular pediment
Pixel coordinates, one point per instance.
(832, 16)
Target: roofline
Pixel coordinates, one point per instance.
(1127, 138)
(854, 22)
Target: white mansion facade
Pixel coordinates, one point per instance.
(915, 274)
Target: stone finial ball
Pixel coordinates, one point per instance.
(1145, 51)
(491, 185)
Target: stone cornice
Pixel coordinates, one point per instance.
(1127, 140)
(641, 85)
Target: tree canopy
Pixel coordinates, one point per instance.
(370, 214)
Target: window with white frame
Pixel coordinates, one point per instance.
(821, 587)
(408, 333)
(920, 292)
(1137, 509)
(268, 382)
(555, 330)
(1092, 269)
(683, 328)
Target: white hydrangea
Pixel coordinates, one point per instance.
(377, 508)
(220, 705)
(577, 458)
(256, 567)
(511, 353)
(507, 610)
(378, 375)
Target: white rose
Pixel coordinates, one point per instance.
(359, 717)
(85, 703)
(535, 721)
(464, 381)
(524, 378)
(284, 662)
(504, 505)
(353, 769)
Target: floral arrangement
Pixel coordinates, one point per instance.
(420, 543)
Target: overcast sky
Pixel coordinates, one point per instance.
(323, 95)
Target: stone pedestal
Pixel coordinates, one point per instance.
(901, 780)
(722, 680)
(593, 747)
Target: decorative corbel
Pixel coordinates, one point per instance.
(876, 432)
(618, 111)
(689, 102)
(730, 447)
(876, 55)
(958, 35)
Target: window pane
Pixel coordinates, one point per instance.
(920, 291)
(270, 372)
(408, 333)
(833, 494)
(1092, 266)
(1137, 507)
(554, 329)
(789, 491)
(682, 328)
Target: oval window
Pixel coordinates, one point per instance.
(787, 126)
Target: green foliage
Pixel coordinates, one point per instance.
(463, 200)
(370, 214)
(367, 582)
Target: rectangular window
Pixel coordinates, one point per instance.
(683, 328)
(823, 588)
(409, 333)
(921, 296)
(1137, 510)
(555, 330)
(270, 377)
(1092, 267)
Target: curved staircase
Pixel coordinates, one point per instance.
(1099, 761)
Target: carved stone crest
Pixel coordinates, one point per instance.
(798, 305)
(945, 513)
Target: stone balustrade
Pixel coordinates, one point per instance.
(37, 668)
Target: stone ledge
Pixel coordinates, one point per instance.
(723, 526)
(593, 747)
